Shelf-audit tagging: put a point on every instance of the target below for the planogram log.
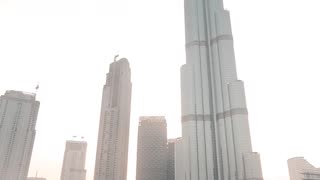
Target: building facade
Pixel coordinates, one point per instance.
(113, 137)
(74, 161)
(301, 169)
(18, 117)
(179, 164)
(215, 127)
(171, 159)
(152, 148)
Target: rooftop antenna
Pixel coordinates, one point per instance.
(115, 58)
(37, 87)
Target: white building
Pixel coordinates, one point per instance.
(74, 161)
(301, 169)
(113, 138)
(215, 128)
(18, 117)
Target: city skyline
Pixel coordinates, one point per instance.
(276, 75)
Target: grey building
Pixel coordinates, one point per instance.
(215, 128)
(180, 171)
(18, 117)
(74, 161)
(171, 159)
(152, 148)
(113, 137)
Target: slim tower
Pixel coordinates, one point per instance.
(179, 163)
(171, 159)
(74, 161)
(215, 127)
(152, 148)
(113, 138)
(18, 117)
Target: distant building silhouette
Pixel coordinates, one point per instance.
(301, 169)
(113, 137)
(152, 148)
(18, 117)
(74, 161)
(171, 159)
(36, 178)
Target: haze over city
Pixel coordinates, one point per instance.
(66, 47)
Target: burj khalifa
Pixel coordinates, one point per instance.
(215, 129)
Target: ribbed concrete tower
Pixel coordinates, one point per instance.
(18, 117)
(113, 138)
(215, 128)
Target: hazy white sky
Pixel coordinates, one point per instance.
(67, 46)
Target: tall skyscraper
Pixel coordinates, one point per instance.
(171, 159)
(18, 117)
(215, 127)
(301, 169)
(113, 138)
(152, 148)
(74, 161)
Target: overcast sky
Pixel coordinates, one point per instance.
(67, 45)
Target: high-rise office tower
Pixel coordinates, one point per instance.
(301, 169)
(171, 159)
(215, 127)
(18, 117)
(152, 148)
(74, 161)
(113, 138)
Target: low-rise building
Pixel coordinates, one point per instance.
(301, 169)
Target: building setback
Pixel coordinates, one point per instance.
(215, 128)
(18, 117)
(152, 148)
(301, 169)
(74, 161)
(113, 137)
